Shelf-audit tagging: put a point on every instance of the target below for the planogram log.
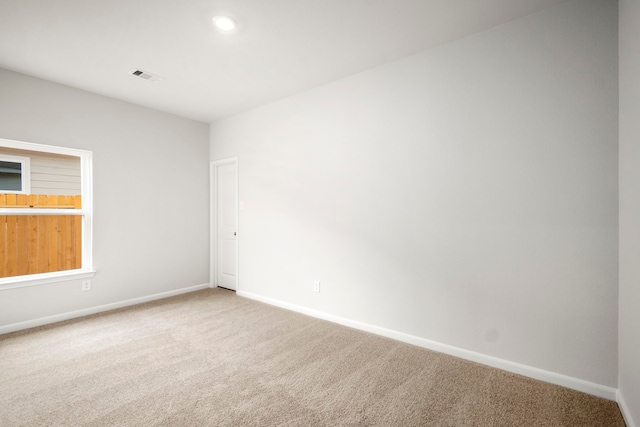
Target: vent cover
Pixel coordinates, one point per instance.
(146, 75)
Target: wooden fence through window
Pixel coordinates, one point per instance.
(31, 244)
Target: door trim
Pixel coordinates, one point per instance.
(213, 220)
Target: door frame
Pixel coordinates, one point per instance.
(213, 223)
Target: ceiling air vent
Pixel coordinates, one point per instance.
(145, 75)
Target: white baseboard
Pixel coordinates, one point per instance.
(13, 327)
(506, 365)
(626, 414)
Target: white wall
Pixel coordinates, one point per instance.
(466, 195)
(150, 220)
(629, 320)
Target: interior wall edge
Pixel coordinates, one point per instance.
(577, 384)
(14, 327)
(624, 408)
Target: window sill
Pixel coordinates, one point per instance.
(44, 278)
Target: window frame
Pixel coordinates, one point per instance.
(86, 212)
(25, 172)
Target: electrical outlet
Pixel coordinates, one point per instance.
(86, 285)
(316, 286)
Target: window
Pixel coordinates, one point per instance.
(15, 176)
(45, 214)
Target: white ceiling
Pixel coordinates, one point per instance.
(281, 48)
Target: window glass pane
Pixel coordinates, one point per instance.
(10, 176)
(32, 242)
(41, 173)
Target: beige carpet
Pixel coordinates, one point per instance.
(211, 358)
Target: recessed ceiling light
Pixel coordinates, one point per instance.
(225, 23)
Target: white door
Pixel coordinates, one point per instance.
(227, 225)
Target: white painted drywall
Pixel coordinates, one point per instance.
(467, 195)
(151, 202)
(629, 308)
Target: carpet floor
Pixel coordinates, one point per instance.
(211, 358)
